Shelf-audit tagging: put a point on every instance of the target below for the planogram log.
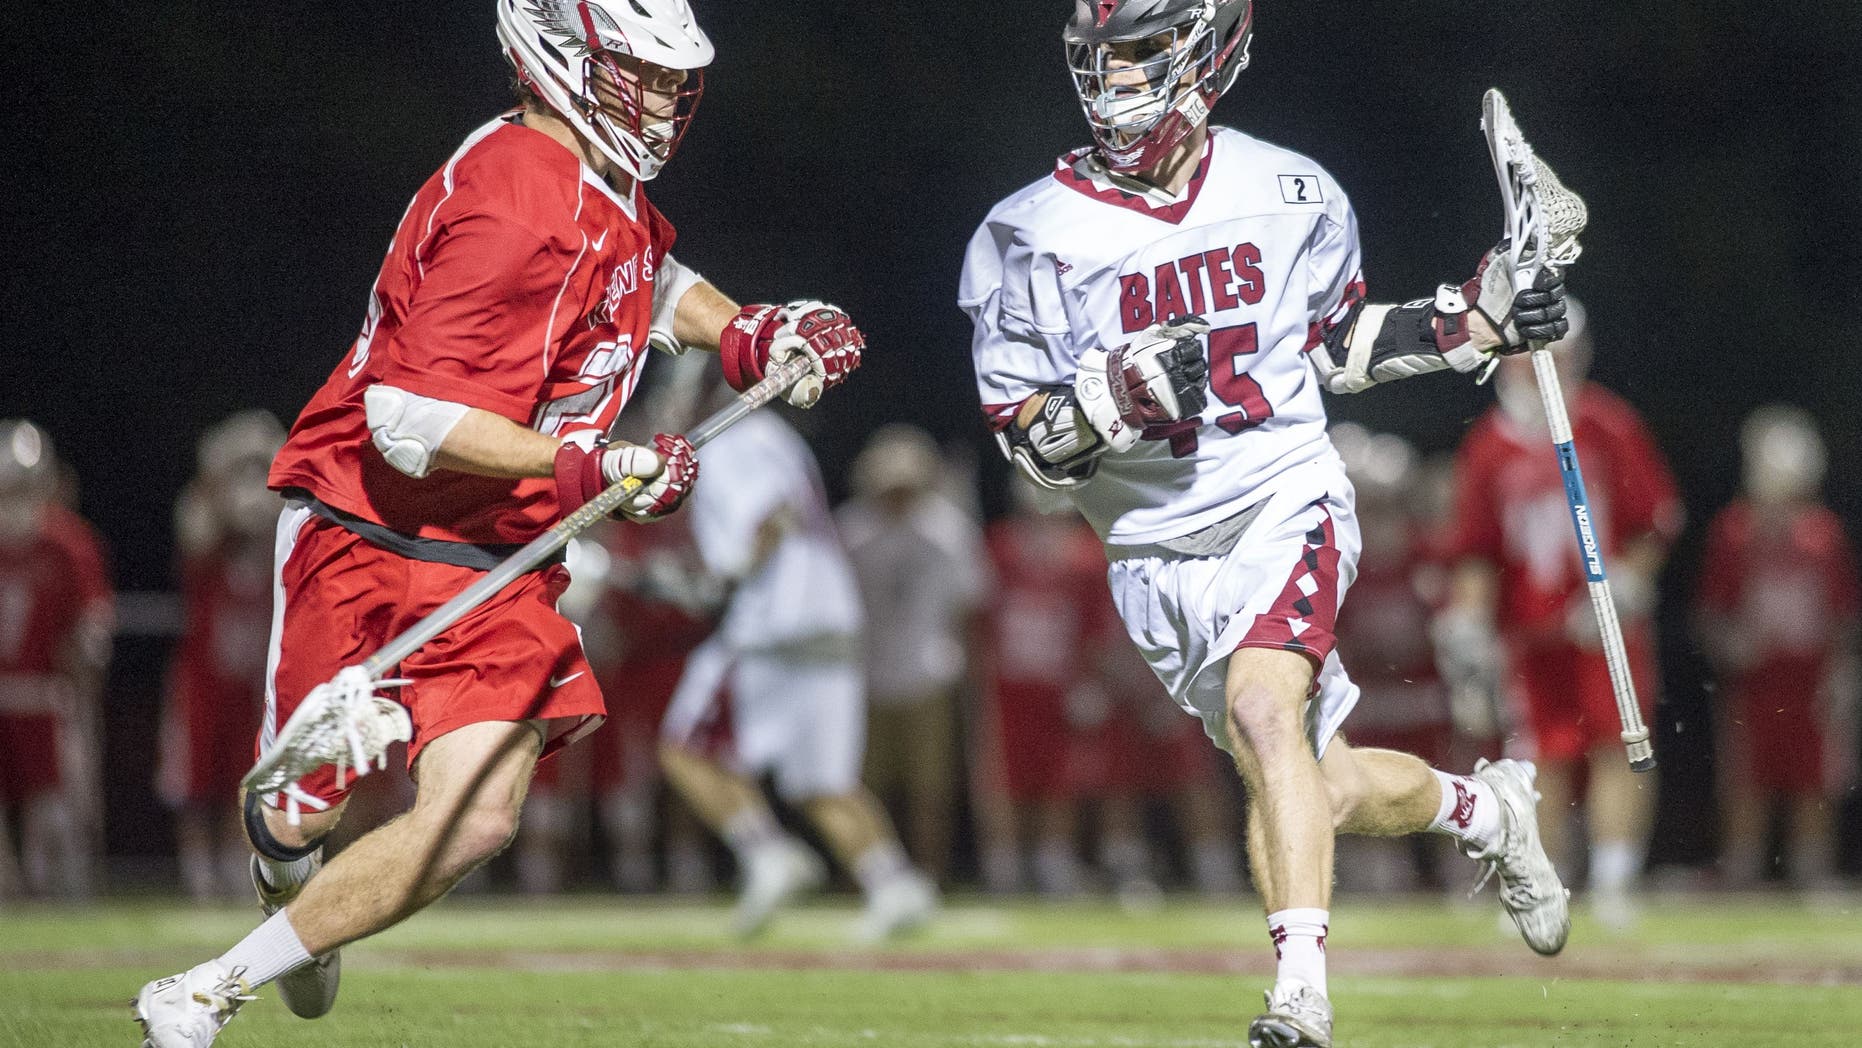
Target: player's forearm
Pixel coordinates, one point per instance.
(700, 316)
(490, 445)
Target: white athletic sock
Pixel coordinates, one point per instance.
(751, 828)
(279, 876)
(272, 949)
(1470, 812)
(1299, 943)
(879, 864)
(1614, 866)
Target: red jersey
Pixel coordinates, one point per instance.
(1383, 637)
(518, 282)
(1510, 507)
(51, 589)
(1791, 592)
(1052, 611)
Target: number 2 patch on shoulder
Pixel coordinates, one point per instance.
(1301, 189)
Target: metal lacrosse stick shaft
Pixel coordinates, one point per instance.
(1531, 250)
(777, 380)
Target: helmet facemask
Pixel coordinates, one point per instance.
(611, 109)
(1143, 96)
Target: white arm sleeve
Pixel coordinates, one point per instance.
(407, 427)
(670, 283)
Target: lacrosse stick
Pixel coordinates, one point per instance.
(345, 722)
(1543, 220)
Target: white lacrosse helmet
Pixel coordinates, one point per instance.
(561, 48)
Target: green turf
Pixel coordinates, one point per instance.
(601, 972)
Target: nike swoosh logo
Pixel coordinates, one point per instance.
(555, 683)
(602, 239)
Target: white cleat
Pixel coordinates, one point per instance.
(902, 904)
(188, 1010)
(1530, 890)
(774, 874)
(310, 991)
(1297, 1016)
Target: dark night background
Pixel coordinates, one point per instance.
(198, 199)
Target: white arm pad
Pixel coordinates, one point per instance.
(670, 283)
(407, 427)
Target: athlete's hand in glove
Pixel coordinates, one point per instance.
(669, 469)
(816, 331)
(1487, 315)
(1160, 376)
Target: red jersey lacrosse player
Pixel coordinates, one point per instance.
(507, 328)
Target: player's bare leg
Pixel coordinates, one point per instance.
(471, 788)
(855, 828)
(1290, 835)
(774, 866)
(1622, 806)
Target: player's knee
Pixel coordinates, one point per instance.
(273, 835)
(484, 830)
(1262, 721)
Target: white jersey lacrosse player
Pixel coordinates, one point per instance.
(786, 661)
(1155, 320)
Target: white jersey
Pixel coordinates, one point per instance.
(1261, 242)
(804, 590)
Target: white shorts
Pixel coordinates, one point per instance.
(1279, 587)
(800, 718)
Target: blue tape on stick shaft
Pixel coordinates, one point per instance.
(1588, 546)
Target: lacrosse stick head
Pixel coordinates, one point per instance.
(343, 723)
(1543, 218)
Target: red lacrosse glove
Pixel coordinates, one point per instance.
(669, 469)
(816, 331)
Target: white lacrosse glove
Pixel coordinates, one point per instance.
(1160, 376)
(1467, 655)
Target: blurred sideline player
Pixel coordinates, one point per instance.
(644, 602)
(1072, 719)
(1776, 611)
(1404, 706)
(1518, 575)
(1155, 320)
(1142, 752)
(919, 560)
(784, 670)
(1047, 617)
(216, 681)
(505, 332)
(56, 618)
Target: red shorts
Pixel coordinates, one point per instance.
(1570, 706)
(1036, 741)
(30, 752)
(206, 736)
(513, 658)
(1778, 742)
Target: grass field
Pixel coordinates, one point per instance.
(478, 973)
